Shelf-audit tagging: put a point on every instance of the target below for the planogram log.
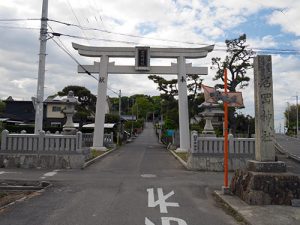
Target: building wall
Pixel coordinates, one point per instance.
(55, 110)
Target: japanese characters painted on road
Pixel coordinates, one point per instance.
(166, 221)
(234, 99)
(163, 204)
(143, 56)
(161, 200)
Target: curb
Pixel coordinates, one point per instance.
(33, 194)
(230, 209)
(92, 161)
(294, 157)
(179, 159)
(280, 149)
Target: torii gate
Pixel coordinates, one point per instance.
(142, 57)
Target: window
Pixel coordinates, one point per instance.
(56, 109)
(55, 124)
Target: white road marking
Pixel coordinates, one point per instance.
(3, 172)
(161, 201)
(166, 221)
(148, 175)
(49, 174)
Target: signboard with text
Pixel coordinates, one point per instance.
(142, 58)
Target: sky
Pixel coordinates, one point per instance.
(272, 27)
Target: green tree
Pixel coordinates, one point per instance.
(238, 60)
(290, 115)
(169, 93)
(2, 106)
(87, 106)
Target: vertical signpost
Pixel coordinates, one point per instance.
(225, 133)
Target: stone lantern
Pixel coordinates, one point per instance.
(211, 110)
(69, 111)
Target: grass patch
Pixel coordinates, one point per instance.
(229, 210)
(183, 155)
(9, 197)
(95, 153)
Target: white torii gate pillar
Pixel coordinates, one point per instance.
(100, 105)
(184, 130)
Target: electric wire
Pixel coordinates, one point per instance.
(219, 47)
(64, 48)
(70, 6)
(14, 19)
(22, 28)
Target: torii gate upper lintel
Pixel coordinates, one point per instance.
(142, 55)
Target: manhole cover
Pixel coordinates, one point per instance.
(148, 175)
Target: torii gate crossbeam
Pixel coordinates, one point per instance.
(142, 66)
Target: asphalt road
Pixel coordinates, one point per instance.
(289, 144)
(141, 183)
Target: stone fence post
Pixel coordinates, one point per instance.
(194, 141)
(78, 141)
(230, 144)
(4, 135)
(112, 137)
(41, 141)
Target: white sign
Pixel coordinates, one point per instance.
(161, 201)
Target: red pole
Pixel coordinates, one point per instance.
(225, 132)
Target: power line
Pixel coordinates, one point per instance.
(63, 47)
(127, 35)
(97, 39)
(169, 40)
(221, 48)
(15, 27)
(75, 16)
(13, 20)
(258, 50)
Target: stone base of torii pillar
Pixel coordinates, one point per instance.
(265, 180)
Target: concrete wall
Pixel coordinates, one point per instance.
(44, 161)
(41, 150)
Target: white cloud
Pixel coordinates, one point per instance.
(264, 42)
(287, 18)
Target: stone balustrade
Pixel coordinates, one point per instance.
(45, 150)
(42, 142)
(206, 153)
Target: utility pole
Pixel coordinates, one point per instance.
(297, 113)
(120, 98)
(288, 116)
(41, 71)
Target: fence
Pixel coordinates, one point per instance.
(87, 139)
(206, 153)
(42, 142)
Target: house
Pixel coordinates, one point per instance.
(18, 112)
(53, 115)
